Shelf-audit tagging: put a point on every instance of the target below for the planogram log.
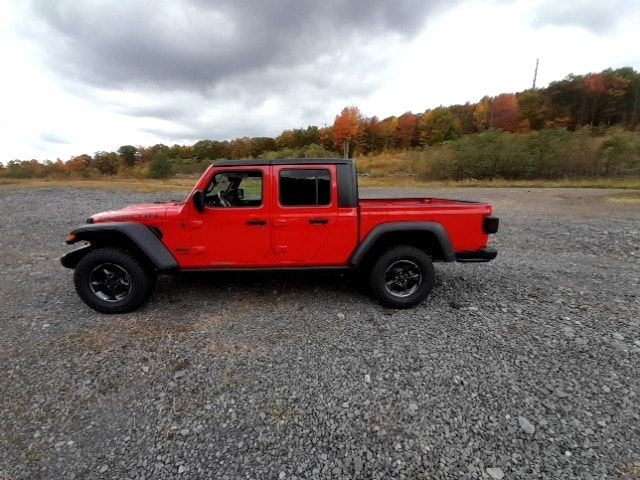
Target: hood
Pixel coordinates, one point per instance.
(140, 212)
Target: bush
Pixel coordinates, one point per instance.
(544, 154)
(491, 154)
(620, 154)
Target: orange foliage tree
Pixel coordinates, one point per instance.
(506, 114)
(407, 131)
(348, 128)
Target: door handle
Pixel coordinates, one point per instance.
(318, 221)
(256, 223)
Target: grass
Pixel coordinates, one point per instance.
(186, 184)
(115, 183)
(610, 183)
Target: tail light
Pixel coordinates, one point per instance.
(490, 224)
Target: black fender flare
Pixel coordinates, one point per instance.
(433, 228)
(141, 236)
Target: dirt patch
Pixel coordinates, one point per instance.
(123, 335)
(625, 198)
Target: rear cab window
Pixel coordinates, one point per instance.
(304, 187)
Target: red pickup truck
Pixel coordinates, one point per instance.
(277, 214)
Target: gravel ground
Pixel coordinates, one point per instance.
(526, 367)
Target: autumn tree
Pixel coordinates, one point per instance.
(286, 139)
(107, 163)
(241, 148)
(325, 137)
(464, 113)
(505, 113)
(534, 109)
(439, 125)
(210, 150)
(406, 132)
(374, 135)
(483, 114)
(387, 129)
(77, 163)
(348, 129)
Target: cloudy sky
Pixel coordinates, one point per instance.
(87, 75)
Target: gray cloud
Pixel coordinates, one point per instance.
(596, 16)
(197, 43)
(212, 69)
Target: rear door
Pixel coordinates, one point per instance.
(304, 212)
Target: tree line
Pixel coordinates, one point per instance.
(595, 100)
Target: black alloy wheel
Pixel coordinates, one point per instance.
(113, 280)
(402, 277)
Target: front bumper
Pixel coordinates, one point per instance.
(71, 259)
(485, 255)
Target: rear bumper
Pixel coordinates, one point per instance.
(485, 255)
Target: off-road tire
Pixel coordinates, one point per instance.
(393, 262)
(139, 278)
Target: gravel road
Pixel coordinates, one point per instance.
(526, 367)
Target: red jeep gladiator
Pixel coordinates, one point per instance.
(277, 214)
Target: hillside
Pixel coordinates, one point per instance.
(580, 127)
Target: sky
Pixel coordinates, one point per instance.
(90, 75)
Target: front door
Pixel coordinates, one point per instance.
(234, 228)
(304, 213)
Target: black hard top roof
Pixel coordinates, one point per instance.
(281, 161)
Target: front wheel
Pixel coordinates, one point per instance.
(112, 280)
(402, 277)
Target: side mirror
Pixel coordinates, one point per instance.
(198, 201)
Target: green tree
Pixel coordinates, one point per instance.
(128, 154)
(161, 165)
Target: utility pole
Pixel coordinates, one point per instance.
(535, 74)
(635, 110)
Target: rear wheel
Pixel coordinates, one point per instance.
(112, 280)
(402, 277)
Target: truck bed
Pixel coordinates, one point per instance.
(407, 202)
(462, 219)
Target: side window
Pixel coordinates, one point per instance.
(234, 190)
(304, 187)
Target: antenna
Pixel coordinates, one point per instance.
(535, 74)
